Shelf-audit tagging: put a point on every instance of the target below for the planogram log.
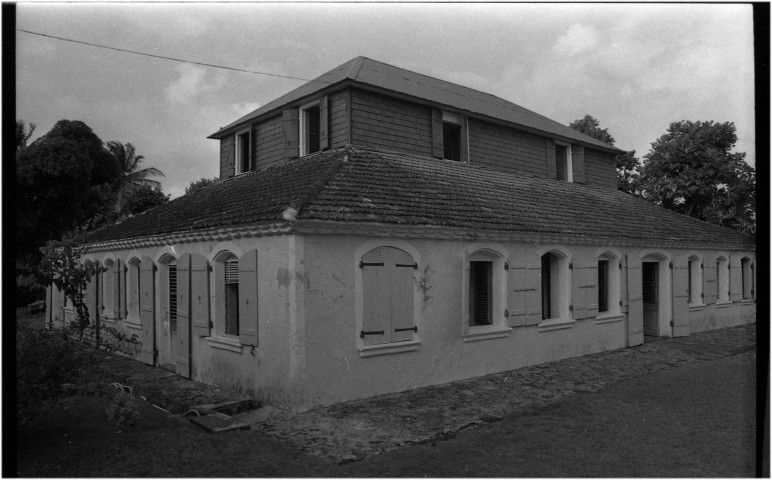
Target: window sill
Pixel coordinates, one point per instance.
(747, 301)
(225, 343)
(609, 318)
(486, 332)
(389, 348)
(556, 324)
(696, 307)
(107, 319)
(723, 304)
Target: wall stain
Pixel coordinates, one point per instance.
(283, 277)
(425, 285)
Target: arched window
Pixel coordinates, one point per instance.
(388, 280)
(722, 279)
(555, 286)
(694, 272)
(747, 278)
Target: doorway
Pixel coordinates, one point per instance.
(651, 298)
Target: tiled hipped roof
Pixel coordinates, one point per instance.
(377, 186)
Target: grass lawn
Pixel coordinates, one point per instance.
(693, 421)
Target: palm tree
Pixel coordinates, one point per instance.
(131, 175)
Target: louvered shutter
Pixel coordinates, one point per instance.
(248, 314)
(533, 293)
(199, 284)
(376, 304)
(134, 280)
(623, 286)
(680, 298)
(116, 289)
(122, 307)
(147, 310)
(590, 291)
(401, 284)
(577, 163)
(480, 289)
(438, 145)
(634, 303)
(324, 124)
(552, 166)
(580, 287)
(735, 282)
(291, 129)
(182, 338)
(711, 285)
(518, 289)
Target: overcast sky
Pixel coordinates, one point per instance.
(636, 68)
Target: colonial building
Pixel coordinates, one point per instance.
(377, 230)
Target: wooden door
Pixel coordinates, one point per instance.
(650, 286)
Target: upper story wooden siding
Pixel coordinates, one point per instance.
(382, 121)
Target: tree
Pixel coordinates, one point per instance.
(130, 174)
(627, 172)
(690, 170)
(591, 127)
(143, 197)
(23, 133)
(199, 184)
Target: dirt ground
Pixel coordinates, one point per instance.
(692, 421)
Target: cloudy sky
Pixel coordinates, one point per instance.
(636, 68)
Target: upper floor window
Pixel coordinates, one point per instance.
(243, 152)
(451, 136)
(310, 128)
(563, 162)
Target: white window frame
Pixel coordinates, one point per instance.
(219, 296)
(498, 327)
(569, 161)
(238, 158)
(302, 129)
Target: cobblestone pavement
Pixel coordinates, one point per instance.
(353, 430)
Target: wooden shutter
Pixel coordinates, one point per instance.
(324, 124)
(291, 129)
(518, 290)
(116, 289)
(182, 338)
(590, 291)
(680, 298)
(133, 281)
(552, 166)
(710, 289)
(120, 306)
(199, 297)
(248, 318)
(584, 280)
(623, 285)
(438, 145)
(480, 290)
(577, 163)
(533, 293)
(735, 282)
(147, 311)
(465, 139)
(376, 325)
(401, 284)
(634, 303)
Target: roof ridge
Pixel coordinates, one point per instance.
(294, 209)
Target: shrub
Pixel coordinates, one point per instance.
(26, 294)
(45, 362)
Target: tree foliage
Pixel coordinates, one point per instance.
(627, 172)
(691, 170)
(591, 127)
(68, 180)
(199, 184)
